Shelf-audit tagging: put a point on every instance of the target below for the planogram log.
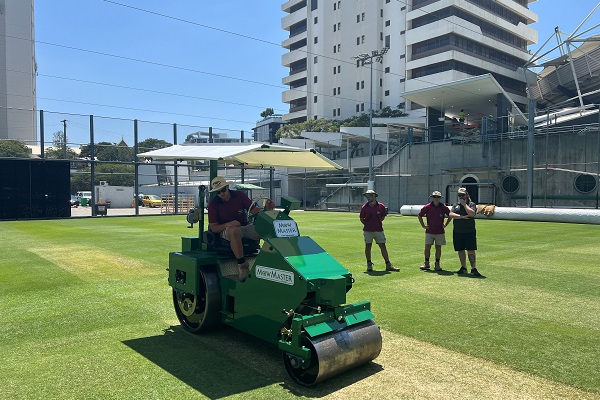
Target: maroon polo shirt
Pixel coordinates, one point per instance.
(220, 212)
(435, 217)
(372, 216)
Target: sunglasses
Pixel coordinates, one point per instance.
(461, 195)
(437, 197)
(222, 190)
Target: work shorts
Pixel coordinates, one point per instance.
(378, 236)
(248, 231)
(464, 241)
(439, 239)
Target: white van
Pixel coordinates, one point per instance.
(87, 195)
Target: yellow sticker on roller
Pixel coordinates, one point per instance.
(274, 275)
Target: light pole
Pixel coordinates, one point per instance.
(367, 59)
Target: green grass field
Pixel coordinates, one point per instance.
(86, 312)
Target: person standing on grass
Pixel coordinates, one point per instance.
(435, 212)
(372, 215)
(464, 235)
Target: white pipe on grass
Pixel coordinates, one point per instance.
(569, 215)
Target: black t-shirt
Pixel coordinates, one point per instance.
(464, 225)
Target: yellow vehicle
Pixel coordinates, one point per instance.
(151, 201)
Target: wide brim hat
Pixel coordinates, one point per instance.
(436, 193)
(219, 183)
(370, 191)
(462, 190)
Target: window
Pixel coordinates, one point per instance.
(316, 40)
(402, 56)
(380, 36)
(339, 111)
(357, 63)
(402, 80)
(380, 105)
(402, 32)
(387, 41)
(334, 48)
(357, 41)
(362, 84)
(381, 13)
(334, 6)
(339, 26)
(334, 112)
(315, 79)
(357, 85)
(357, 108)
(510, 184)
(380, 82)
(334, 91)
(316, 20)
(387, 70)
(386, 93)
(316, 117)
(339, 90)
(334, 70)
(339, 47)
(403, 8)
(313, 5)
(362, 16)
(334, 27)
(387, 1)
(357, 18)
(339, 69)
(362, 39)
(387, 23)
(315, 59)
(339, 4)
(362, 106)
(315, 99)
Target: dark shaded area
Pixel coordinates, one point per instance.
(34, 188)
(225, 362)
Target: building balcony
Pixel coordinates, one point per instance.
(297, 113)
(293, 56)
(294, 77)
(289, 41)
(293, 94)
(285, 7)
(293, 19)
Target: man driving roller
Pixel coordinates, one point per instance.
(227, 216)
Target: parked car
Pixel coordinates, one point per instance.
(74, 201)
(151, 200)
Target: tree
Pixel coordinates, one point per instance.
(152, 144)
(106, 151)
(267, 113)
(13, 148)
(59, 154)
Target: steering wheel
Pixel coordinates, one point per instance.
(249, 216)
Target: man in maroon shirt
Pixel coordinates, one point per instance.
(372, 214)
(227, 216)
(436, 212)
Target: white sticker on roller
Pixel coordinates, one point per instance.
(286, 228)
(274, 275)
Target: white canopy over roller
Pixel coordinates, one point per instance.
(252, 155)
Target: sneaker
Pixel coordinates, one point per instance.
(390, 267)
(244, 271)
(476, 273)
(462, 270)
(437, 267)
(369, 266)
(425, 266)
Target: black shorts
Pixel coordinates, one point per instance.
(464, 241)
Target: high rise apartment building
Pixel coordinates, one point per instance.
(430, 42)
(17, 71)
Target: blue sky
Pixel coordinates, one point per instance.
(194, 63)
